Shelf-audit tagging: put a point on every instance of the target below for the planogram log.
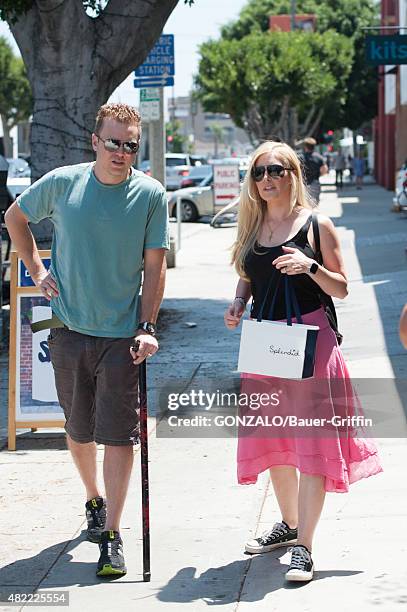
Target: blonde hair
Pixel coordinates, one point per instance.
(252, 207)
(119, 112)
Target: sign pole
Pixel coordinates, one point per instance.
(157, 143)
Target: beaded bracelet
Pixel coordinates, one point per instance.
(241, 299)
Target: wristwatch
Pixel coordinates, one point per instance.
(148, 327)
(314, 268)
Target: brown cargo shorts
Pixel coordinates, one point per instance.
(97, 387)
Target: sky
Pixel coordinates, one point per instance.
(191, 26)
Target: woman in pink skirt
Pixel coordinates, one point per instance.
(275, 240)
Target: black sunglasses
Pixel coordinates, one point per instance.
(275, 171)
(112, 145)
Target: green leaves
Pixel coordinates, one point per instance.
(15, 91)
(268, 70)
(308, 74)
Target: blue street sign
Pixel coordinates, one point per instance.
(382, 50)
(154, 82)
(25, 279)
(160, 60)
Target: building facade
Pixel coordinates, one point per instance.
(391, 123)
(210, 134)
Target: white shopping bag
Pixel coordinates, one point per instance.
(273, 348)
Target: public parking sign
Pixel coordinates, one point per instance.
(226, 183)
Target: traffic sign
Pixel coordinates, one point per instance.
(160, 60)
(226, 183)
(150, 111)
(149, 94)
(154, 82)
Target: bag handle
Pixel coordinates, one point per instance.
(260, 314)
(291, 301)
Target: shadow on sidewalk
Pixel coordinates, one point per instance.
(37, 441)
(232, 583)
(28, 575)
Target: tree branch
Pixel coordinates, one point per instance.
(317, 120)
(125, 33)
(306, 124)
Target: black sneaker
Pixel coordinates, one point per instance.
(301, 567)
(280, 535)
(96, 518)
(111, 560)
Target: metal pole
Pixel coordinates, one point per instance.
(157, 144)
(293, 10)
(179, 221)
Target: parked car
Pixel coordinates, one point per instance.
(18, 167)
(197, 201)
(175, 169)
(196, 175)
(15, 177)
(177, 166)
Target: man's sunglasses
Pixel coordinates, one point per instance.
(112, 145)
(275, 171)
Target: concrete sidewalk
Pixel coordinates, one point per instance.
(200, 517)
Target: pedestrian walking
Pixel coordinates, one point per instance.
(314, 166)
(359, 170)
(276, 242)
(110, 222)
(340, 165)
(350, 167)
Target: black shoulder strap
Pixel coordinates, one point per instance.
(315, 229)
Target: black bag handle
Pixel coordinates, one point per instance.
(291, 301)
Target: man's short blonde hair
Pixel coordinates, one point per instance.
(124, 113)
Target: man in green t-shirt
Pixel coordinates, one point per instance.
(110, 221)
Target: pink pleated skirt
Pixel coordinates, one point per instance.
(342, 457)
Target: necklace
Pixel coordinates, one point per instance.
(272, 230)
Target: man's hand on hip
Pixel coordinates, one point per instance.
(147, 346)
(47, 283)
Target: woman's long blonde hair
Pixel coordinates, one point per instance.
(252, 207)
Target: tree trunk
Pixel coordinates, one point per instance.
(74, 63)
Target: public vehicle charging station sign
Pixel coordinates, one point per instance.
(226, 183)
(158, 69)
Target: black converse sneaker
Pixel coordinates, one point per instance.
(96, 518)
(280, 535)
(301, 567)
(111, 560)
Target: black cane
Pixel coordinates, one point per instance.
(145, 496)
(145, 501)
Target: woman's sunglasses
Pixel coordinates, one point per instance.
(275, 171)
(112, 145)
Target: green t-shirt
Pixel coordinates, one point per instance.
(100, 233)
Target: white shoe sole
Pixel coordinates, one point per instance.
(300, 577)
(253, 550)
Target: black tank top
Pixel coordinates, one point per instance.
(259, 270)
